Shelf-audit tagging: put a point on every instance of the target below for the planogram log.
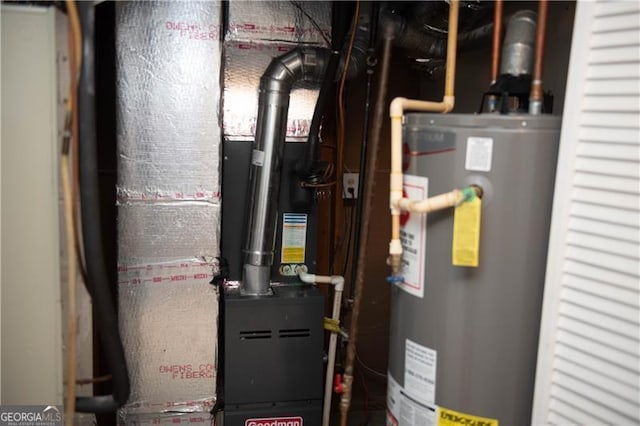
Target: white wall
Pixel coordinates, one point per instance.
(30, 282)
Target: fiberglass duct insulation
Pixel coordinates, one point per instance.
(168, 67)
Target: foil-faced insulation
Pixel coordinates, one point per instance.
(279, 21)
(245, 62)
(166, 232)
(204, 419)
(168, 91)
(168, 59)
(257, 32)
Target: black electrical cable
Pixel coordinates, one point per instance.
(352, 226)
(308, 169)
(98, 283)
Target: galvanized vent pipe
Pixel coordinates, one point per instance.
(519, 44)
(300, 64)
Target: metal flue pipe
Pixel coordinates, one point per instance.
(519, 44)
(307, 64)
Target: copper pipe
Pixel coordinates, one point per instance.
(497, 32)
(535, 100)
(345, 401)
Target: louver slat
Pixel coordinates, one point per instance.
(589, 360)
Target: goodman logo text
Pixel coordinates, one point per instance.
(275, 421)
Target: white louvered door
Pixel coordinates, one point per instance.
(588, 370)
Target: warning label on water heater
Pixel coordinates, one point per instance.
(420, 372)
(479, 154)
(294, 237)
(413, 235)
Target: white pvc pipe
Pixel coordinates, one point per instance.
(428, 205)
(396, 112)
(338, 282)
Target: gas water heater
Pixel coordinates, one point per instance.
(464, 339)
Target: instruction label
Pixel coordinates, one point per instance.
(294, 237)
(404, 410)
(420, 372)
(479, 154)
(413, 235)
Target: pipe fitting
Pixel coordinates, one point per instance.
(336, 280)
(395, 200)
(395, 262)
(395, 256)
(449, 102)
(405, 204)
(395, 247)
(345, 400)
(396, 109)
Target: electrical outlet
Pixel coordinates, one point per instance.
(350, 186)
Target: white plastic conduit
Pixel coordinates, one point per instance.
(338, 282)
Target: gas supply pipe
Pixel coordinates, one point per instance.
(338, 282)
(396, 112)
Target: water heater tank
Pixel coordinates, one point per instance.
(463, 341)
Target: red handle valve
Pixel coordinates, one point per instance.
(338, 387)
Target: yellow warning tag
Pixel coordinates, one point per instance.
(466, 233)
(448, 417)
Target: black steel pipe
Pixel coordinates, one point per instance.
(364, 142)
(98, 283)
(308, 168)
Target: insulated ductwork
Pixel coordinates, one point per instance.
(412, 38)
(308, 64)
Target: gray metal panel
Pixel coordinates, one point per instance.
(273, 346)
(483, 322)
